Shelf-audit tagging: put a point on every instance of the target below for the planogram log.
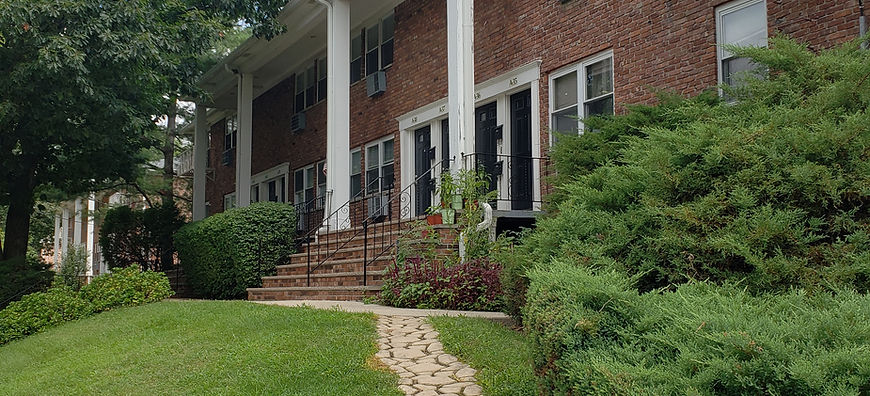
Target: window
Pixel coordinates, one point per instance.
(581, 90)
(230, 132)
(379, 167)
(229, 201)
(356, 51)
(355, 173)
(255, 193)
(379, 44)
(275, 189)
(321, 79)
(742, 23)
(310, 85)
(306, 184)
(321, 179)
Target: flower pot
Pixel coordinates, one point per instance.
(448, 216)
(434, 219)
(456, 203)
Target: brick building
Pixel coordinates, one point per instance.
(377, 94)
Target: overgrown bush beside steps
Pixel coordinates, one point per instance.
(126, 287)
(227, 253)
(420, 283)
(594, 334)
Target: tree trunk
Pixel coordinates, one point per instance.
(18, 219)
(168, 194)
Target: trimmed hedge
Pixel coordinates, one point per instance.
(126, 287)
(594, 334)
(227, 253)
(38, 311)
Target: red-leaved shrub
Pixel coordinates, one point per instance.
(420, 283)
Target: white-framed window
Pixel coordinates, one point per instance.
(356, 53)
(379, 166)
(742, 23)
(271, 184)
(229, 201)
(356, 173)
(275, 189)
(379, 40)
(310, 85)
(231, 132)
(255, 193)
(581, 90)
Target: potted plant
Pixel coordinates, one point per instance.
(448, 190)
(433, 215)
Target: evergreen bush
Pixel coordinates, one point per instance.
(227, 253)
(771, 189)
(126, 287)
(141, 237)
(595, 334)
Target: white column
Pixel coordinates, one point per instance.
(243, 147)
(64, 241)
(460, 82)
(200, 160)
(58, 235)
(92, 238)
(77, 224)
(338, 110)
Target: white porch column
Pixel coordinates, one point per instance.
(92, 237)
(77, 224)
(200, 160)
(243, 148)
(64, 239)
(460, 82)
(338, 110)
(58, 234)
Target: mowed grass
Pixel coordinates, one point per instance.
(199, 348)
(502, 356)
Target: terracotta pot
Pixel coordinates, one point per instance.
(433, 219)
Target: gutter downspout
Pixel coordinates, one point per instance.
(862, 23)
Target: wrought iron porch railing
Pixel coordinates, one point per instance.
(379, 215)
(516, 178)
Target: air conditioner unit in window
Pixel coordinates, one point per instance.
(297, 122)
(376, 83)
(228, 157)
(378, 207)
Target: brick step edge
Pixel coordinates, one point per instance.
(384, 257)
(326, 275)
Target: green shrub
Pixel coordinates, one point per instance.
(126, 287)
(594, 334)
(141, 237)
(227, 253)
(73, 266)
(38, 311)
(770, 190)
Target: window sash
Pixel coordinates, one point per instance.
(562, 118)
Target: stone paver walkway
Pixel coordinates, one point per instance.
(409, 345)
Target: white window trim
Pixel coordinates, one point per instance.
(262, 179)
(233, 120)
(580, 69)
(232, 199)
(303, 71)
(721, 11)
(304, 169)
(379, 23)
(361, 174)
(381, 164)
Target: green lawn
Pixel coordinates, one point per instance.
(503, 357)
(201, 347)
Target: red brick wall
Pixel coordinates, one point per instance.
(657, 44)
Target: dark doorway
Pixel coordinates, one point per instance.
(521, 151)
(486, 136)
(422, 174)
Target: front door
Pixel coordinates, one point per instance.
(422, 172)
(486, 135)
(521, 151)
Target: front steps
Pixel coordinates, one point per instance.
(343, 254)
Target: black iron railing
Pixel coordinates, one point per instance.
(516, 178)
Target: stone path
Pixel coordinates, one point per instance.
(410, 347)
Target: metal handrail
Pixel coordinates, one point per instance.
(369, 220)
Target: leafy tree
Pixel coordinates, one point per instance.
(82, 81)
